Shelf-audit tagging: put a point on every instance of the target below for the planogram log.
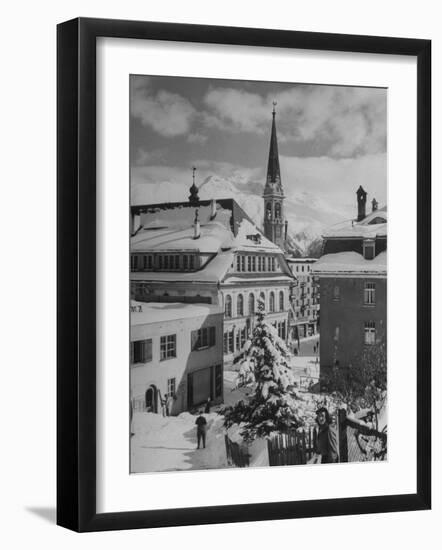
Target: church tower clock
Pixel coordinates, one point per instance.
(274, 224)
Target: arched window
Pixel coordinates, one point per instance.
(228, 307)
(281, 300)
(272, 302)
(277, 211)
(240, 305)
(269, 211)
(262, 298)
(251, 304)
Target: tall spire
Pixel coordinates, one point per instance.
(273, 182)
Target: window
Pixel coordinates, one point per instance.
(273, 264)
(262, 298)
(238, 263)
(177, 262)
(185, 263)
(191, 262)
(134, 262)
(281, 300)
(370, 293)
(202, 338)
(369, 332)
(228, 342)
(253, 263)
(269, 264)
(251, 304)
(249, 263)
(368, 249)
(141, 351)
(171, 386)
(240, 305)
(166, 262)
(243, 263)
(167, 347)
(228, 307)
(336, 293)
(160, 262)
(272, 302)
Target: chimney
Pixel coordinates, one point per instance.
(374, 205)
(286, 225)
(196, 226)
(361, 195)
(213, 209)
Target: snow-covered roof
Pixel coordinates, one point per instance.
(350, 262)
(212, 272)
(250, 239)
(144, 313)
(164, 229)
(369, 227)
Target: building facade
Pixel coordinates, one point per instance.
(210, 252)
(305, 299)
(352, 277)
(176, 356)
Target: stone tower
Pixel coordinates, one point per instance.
(274, 226)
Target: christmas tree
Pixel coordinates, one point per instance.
(264, 366)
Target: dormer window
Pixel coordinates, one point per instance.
(369, 249)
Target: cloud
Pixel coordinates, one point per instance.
(169, 114)
(200, 139)
(341, 121)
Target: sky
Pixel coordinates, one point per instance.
(331, 138)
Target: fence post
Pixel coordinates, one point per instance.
(342, 435)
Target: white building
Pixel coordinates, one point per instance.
(305, 299)
(176, 353)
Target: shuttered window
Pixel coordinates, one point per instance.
(141, 351)
(203, 338)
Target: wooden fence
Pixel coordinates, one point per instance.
(291, 448)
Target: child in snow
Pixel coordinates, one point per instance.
(201, 425)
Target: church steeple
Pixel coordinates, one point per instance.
(274, 223)
(273, 182)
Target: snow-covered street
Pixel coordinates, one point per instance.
(162, 444)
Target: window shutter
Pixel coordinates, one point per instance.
(193, 340)
(212, 336)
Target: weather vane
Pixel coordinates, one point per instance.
(274, 105)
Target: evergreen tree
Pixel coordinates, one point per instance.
(264, 365)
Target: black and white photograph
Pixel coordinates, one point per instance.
(258, 274)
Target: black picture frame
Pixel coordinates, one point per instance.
(76, 274)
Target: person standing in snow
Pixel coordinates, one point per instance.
(207, 407)
(201, 426)
(326, 441)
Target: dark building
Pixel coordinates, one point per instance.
(352, 277)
